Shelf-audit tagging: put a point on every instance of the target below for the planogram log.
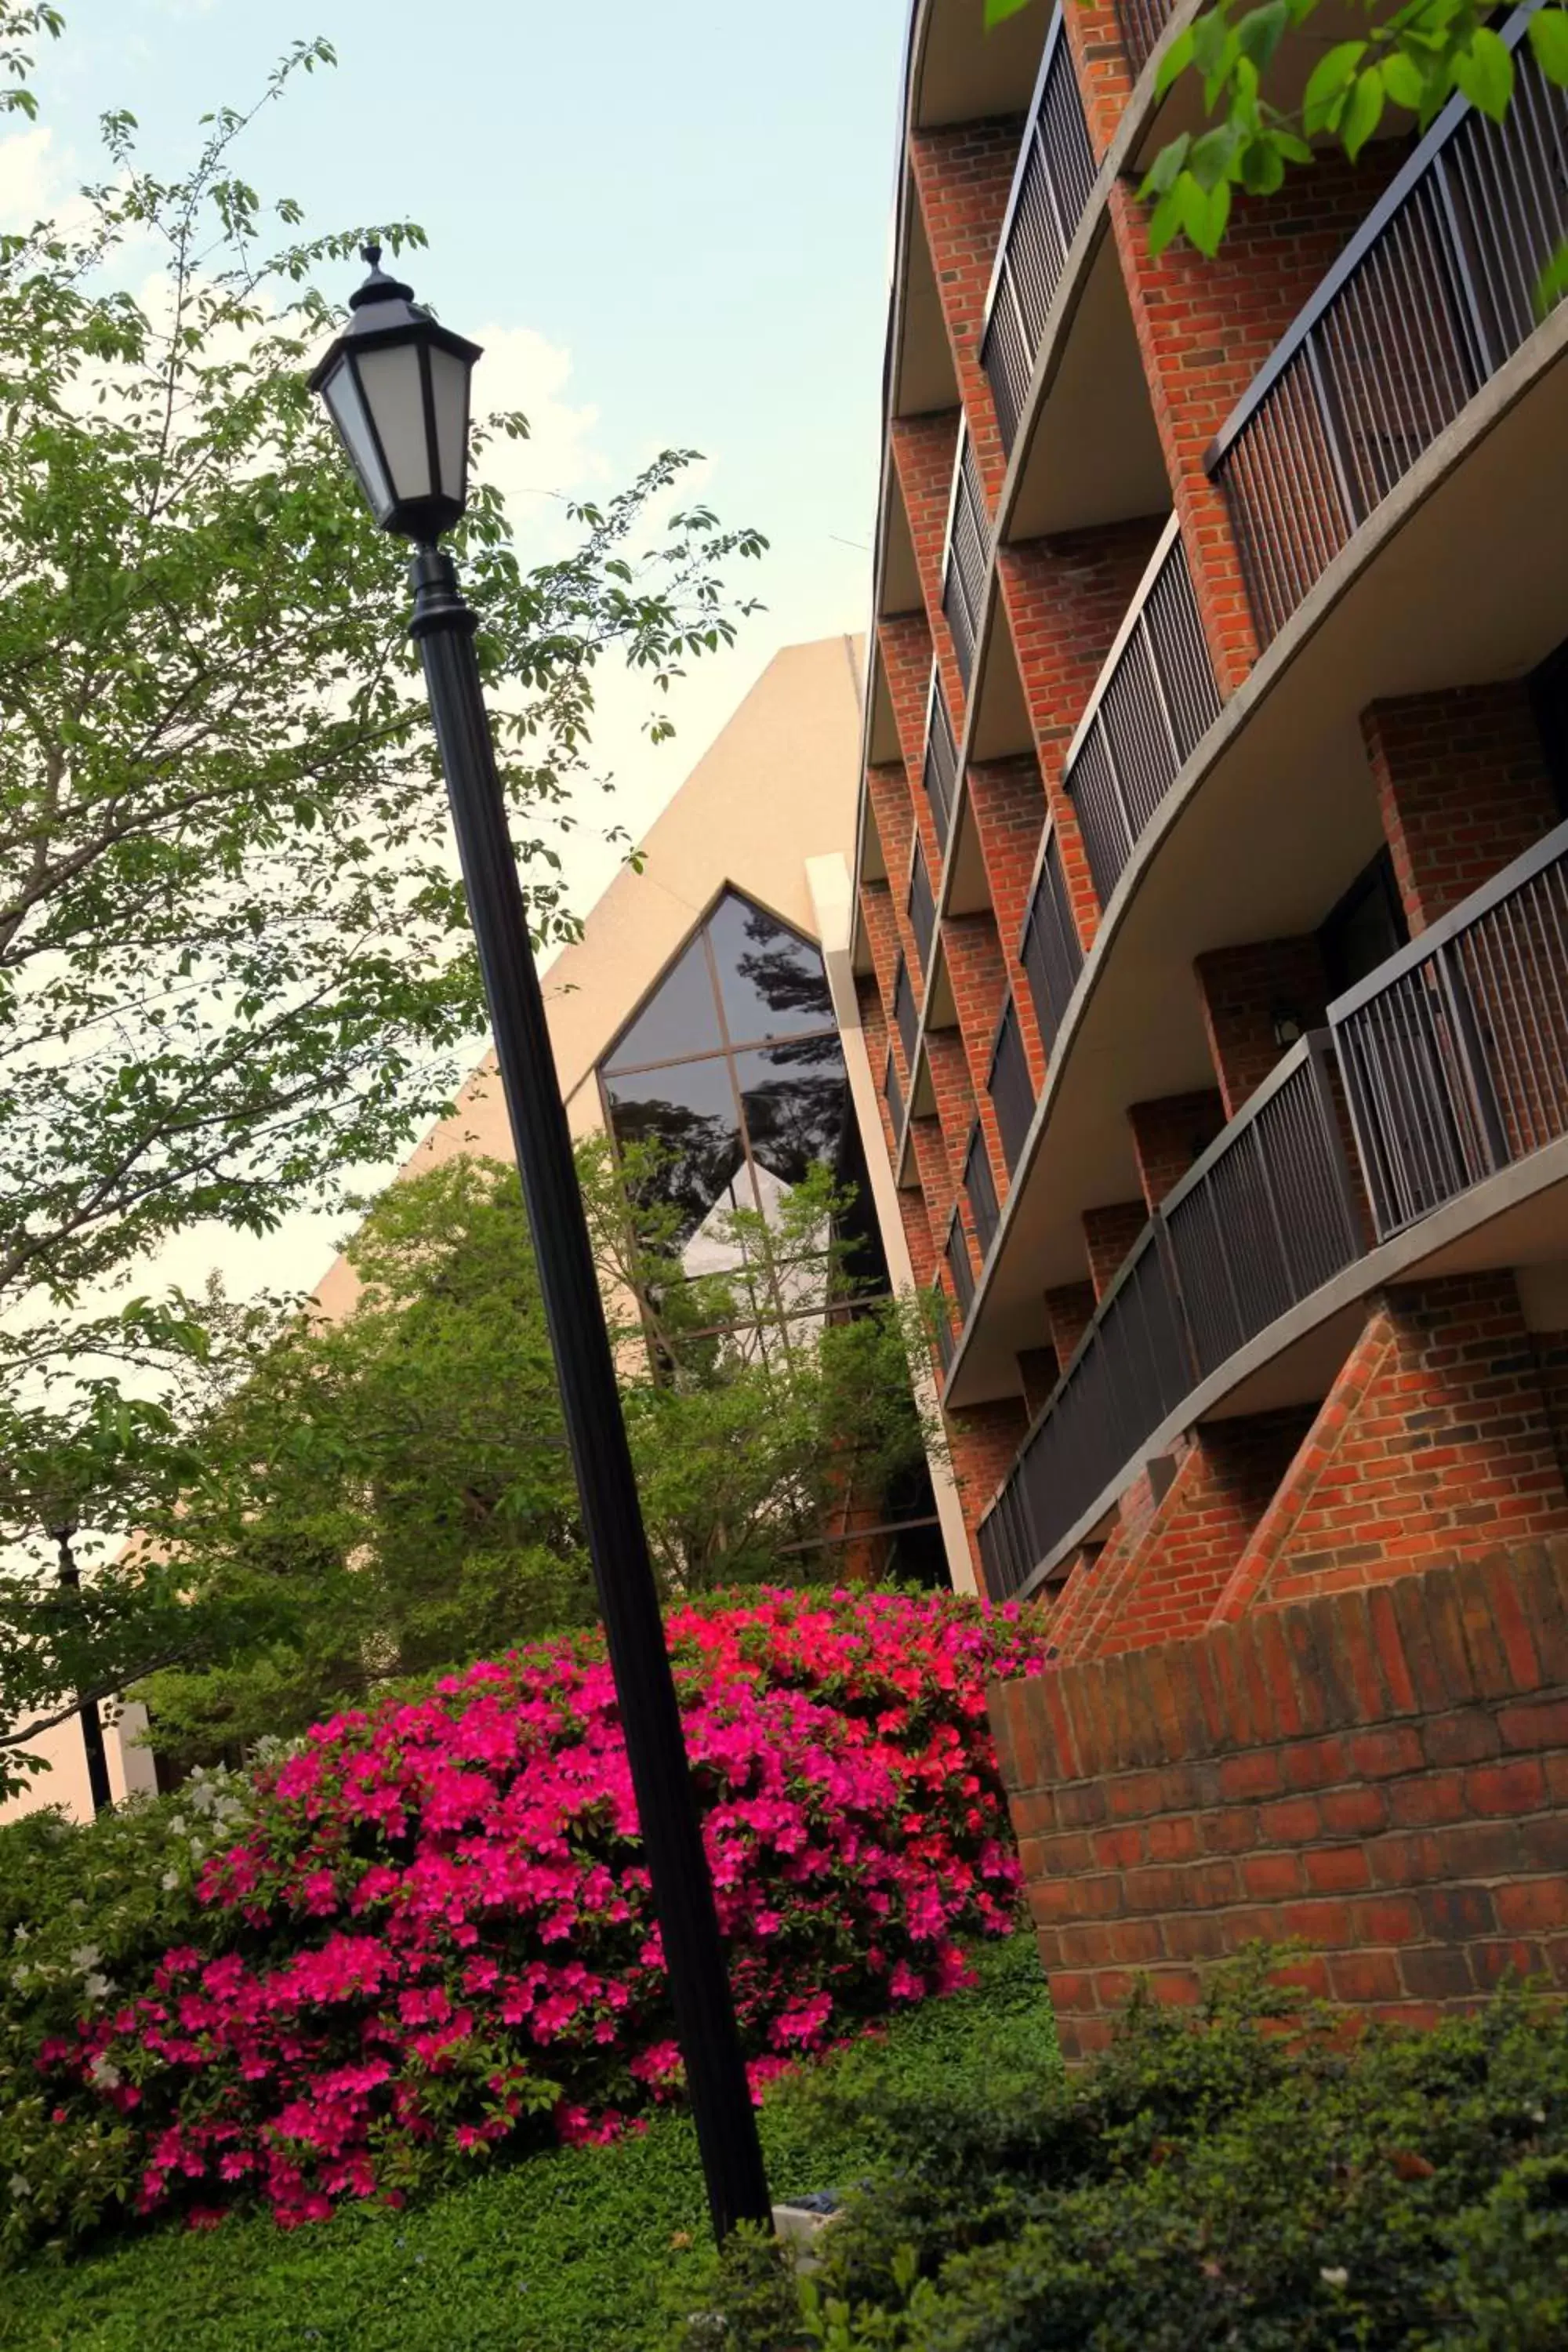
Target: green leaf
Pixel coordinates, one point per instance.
(1363, 113)
(1484, 72)
(1259, 32)
(1211, 37)
(1262, 166)
(1554, 283)
(1176, 60)
(998, 11)
(1328, 85)
(1166, 220)
(1209, 162)
(1549, 39)
(1160, 176)
(1404, 81)
(1204, 212)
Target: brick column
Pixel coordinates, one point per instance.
(1101, 64)
(1065, 598)
(1462, 788)
(924, 450)
(1169, 1134)
(979, 982)
(888, 794)
(1204, 329)
(981, 1443)
(1069, 1311)
(962, 177)
(1242, 990)
(1109, 1233)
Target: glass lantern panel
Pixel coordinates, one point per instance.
(449, 396)
(394, 395)
(342, 393)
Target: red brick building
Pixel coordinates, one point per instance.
(1212, 886)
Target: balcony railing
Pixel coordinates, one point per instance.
(980, 1192)
(892, 1097)
(1143, 21)
(964, 574)
(922, 908)
(1455, 1053)
(1265, 1218)
(940, 773)
(959, 1265)
(1431, 296)
(1269, 1212)
(1050, 191)
(906, 1013)
(1050, 951)
(1010, 1086)
(1155, 700)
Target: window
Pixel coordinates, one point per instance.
(732, 1066)
(1365, 927)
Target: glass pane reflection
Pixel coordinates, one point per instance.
(773, 981)
(793, 1097)
(680, 1017)
(689, 1111)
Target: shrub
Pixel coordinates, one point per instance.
(1211, 2183)
(433, 1939)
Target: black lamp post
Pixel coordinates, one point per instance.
(397, 386)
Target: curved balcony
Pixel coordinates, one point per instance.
(1050, 192)
(1050, 950)
(1453, 1060)
(939, 771)
(968, 558)
(1009, 1085)
(1434, 293)
(1155, 700)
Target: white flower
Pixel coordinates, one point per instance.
(1336, 2277)
(85, 1957)
(21, 1933)
(19, 2186)
(97, 1988)
(106, 2074)
(171, 1880)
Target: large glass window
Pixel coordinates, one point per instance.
(732, 1067)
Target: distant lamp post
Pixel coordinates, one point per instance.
(397, 386)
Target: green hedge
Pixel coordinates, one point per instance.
(576, 2248)
(1208, 2184)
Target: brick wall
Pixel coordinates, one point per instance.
(1101, 65)
(1169, 1134)
(981, 1443)
(963, 176)
(1433, 1440)
(1109, 1233)
(1462, 788)
(924, 450)
(1383, 1774)
(1241, 990)
(1069, 1311)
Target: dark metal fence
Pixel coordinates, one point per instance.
(1155, 700)
(1007, 1547)
(964, 574)
(940, 773)
(1141, 23)
(1454, 1052)
(906, 1013)
(959, 1265)
(1010, 1086)
(980, 1192)
(1269, 1213)
(892, 1097)
(922, 908)
(1050, 191)
(1051, 951)
(1431, 296)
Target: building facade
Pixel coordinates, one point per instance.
(1210, 926)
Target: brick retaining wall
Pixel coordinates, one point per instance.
(1383, 1773)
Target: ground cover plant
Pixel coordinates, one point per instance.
(582, 2246)
(425, 1936)
(1209, 2183)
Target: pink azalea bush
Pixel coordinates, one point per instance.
(434, 1937)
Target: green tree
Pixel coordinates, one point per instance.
(1408, 60)
(234, 963)
(393, 1492)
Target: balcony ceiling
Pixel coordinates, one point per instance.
(961, 72)
(1472, 586)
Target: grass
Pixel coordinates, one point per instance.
(584, 2247)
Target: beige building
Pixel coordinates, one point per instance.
(657, 1011)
